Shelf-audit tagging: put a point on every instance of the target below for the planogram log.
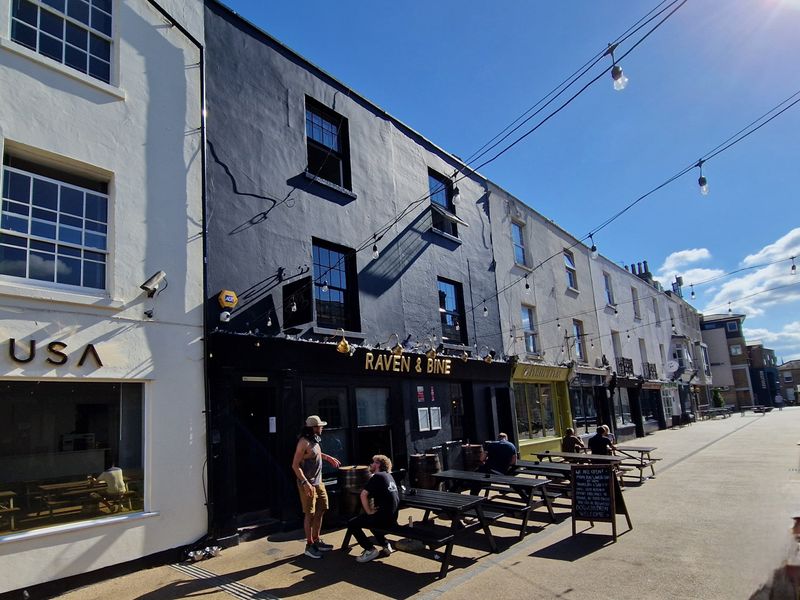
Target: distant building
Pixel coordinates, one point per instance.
(727, 351)
(789, 377)
(763, 374)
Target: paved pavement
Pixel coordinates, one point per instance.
(713, 524)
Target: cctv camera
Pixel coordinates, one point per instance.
(152, 285)
(225, 316)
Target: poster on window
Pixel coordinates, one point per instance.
(436, 417)
(420, 393)
(424, 419)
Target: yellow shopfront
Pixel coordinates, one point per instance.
(542, 407)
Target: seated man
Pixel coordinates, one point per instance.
(599, 443)
(380, 501)
(497, 457)
(115, 488)
(571, 442)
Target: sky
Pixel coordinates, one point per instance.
(460, 71)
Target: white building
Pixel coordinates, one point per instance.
(100, 135)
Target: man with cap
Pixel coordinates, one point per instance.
(307, 467)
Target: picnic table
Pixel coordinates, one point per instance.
(455, 506)
(580, 457)
(532, 493)
(640, 459)
(80, 493)
(756, 408)
(720, 411)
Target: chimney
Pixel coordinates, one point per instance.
(646, 268)
(639, 269)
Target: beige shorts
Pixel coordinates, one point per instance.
(316, 503)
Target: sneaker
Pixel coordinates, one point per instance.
(312, 552)
(368, 555)
(322, 546)
(386, 550)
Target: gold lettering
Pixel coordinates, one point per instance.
(368, 361)
(430, 364)
(447, 366)
(406, 364)
(395, 363)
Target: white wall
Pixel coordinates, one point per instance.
(142, 135)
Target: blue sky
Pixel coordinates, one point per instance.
(460, 71)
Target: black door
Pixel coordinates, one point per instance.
(257, 466)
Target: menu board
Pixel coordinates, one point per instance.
(592, 492)
(597, 496)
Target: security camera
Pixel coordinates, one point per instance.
(225, 316)
(152, 285)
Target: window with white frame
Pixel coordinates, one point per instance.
(572, 273)
(706, 361)
(75, 33)
(637, 311)
(787, 377)
(53, 226)
(609, 289)
(529, 329)
(518, 236)
(577, 332)
(656, 313)
(736, 350)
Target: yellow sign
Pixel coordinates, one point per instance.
(528, 372)
(404, 363)
(228, 299)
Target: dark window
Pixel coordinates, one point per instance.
(440, 189)
(59, 31)
(451, 310)
(328, 150)
(335, 286)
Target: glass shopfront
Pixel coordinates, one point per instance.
(69, 452)
(534, 403)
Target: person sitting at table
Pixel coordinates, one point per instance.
(498, 457)
(380, 500)
(115, 488)
(571, 442)
(599, 443)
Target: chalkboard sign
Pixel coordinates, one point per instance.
(596, 496)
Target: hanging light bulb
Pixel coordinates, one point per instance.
(527, 285)
(465, 356)
(485, 310)
(620, 81)
(702, 181)
(375, 253)
(456, 197)
(730, 310)
(325, 287)
(293, 306)
(794, 267)
(628, 334)
(693, 294)
(558, 324)
(616, 312)
(593, 249)
(591, 343)
(269, 321)
(458, 325)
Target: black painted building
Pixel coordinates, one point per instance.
(350, 275)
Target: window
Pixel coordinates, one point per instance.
(53, 226)
(787, 377)
(529, 329)
(656, 313)
(372, 406)
(330, 403)
(534, 404)
(577, 331)
(637, 311)
(53, 435)
(335, 286)
(327, 143)
(572, 274)
(609, 289)
(443, 211)
(680, 355)
(732, 326)
(706, 361)
(76, 33)
(451, 311)
(517, 235)
(736, 350)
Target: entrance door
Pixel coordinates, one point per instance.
(257, 465)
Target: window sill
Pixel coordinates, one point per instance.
(21, 50)
(573, 290)
(338, 332)
(77, 526)
(21, 290)
(329, 184)
(446, 236)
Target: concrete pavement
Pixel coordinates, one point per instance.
(713, 524)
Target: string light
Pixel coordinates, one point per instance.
(375, 253)
(456, 197)
(293, 306)
(620, 80)
(730, 311)
(269, 321)
(693, 294)
(702, 181)
(794, 267)
(527, 284)
(485, 310)
(593, 249)
(325, 287)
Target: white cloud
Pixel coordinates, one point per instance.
(785, 342)
(781, 249)
(676, 260)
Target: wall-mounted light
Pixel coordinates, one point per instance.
(225, 316)
(153, 283)
(343, 347)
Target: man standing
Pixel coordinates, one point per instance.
(307, 466)
(380, 501)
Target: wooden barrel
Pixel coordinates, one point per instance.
(472, 456)
(352, 480)
(422, 467)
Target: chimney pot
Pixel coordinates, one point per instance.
(646, 268)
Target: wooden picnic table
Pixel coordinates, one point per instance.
(561, 470)
(454, 506)
(580, 457)
(528, 490)
(640, 458)
(80, 492)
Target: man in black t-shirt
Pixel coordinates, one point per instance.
(380, 501)
(599, 443)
